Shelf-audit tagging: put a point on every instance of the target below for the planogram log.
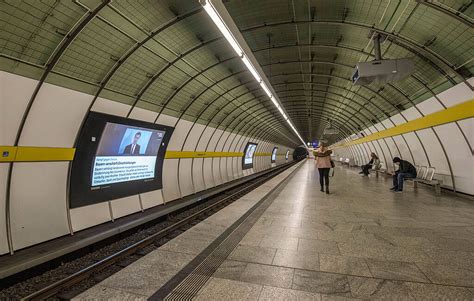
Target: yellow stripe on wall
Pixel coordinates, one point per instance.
(191, 154)
(7, 153)
(43, 154)
(35, 154)
(458, 112)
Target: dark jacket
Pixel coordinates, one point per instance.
(128, 150)
(407, 167)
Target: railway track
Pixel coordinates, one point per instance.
(64, 288)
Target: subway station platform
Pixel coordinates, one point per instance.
(286, 240)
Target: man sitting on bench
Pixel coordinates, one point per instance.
(406, 170)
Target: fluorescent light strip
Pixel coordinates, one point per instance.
(222, 28)
(265, 88)
(273, 99)
(251, 69)
(216, 18)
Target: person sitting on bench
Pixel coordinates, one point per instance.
(374, 161)
(406, 170)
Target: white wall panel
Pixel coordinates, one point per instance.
(263, 159)
(434, 150)
(167, 120)
(192, 139)
(185, 181)
(258, 159)
(106, 106)
(373, 147)
(144, 115)
(175, 179)
(411, 114)
(398, 119)
(386, 124)
(204, 139)
(460, 157)
(364, 154)
(232, 167)
(208, 177)
(221, 141)
(198, 178)
(216, 175)
(3, 228)
(403, 147)
(216, 163)
(15, 92)
(55, 117)
(467, 125)
(429, 106)
(456, 95)
(170, 180)
(240, 148)
(88, 216)
(179, 134)
(226, 162)
(38, 202)
(125, 206)
(416, 149)
(213, 142)
(386, 156)
(151, 198)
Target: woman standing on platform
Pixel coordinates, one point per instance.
(322, 156)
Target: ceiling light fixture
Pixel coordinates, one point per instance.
(219, 22)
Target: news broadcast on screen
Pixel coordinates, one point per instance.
(249, 153)
(274, 154)
(125, 153)
(117, 157)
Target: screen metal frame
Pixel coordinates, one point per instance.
(250, 165)
(275, 149)
(81, 192)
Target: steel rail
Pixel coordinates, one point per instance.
(85, 273)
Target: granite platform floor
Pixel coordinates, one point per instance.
(359, 242)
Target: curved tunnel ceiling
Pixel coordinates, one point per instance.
(167, 56)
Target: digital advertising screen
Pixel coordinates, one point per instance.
(249, 154)
(287, 155)
(125, 153)
(274, 154)
(116, 157)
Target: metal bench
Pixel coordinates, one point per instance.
(425, 175)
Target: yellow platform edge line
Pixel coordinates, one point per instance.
(458, 112)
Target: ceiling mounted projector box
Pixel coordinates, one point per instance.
(382, 71)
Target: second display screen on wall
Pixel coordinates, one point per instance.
(274, 154)
(249, 153)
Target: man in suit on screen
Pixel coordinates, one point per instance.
(133, 148)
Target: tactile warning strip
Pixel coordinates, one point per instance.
(187, 283)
